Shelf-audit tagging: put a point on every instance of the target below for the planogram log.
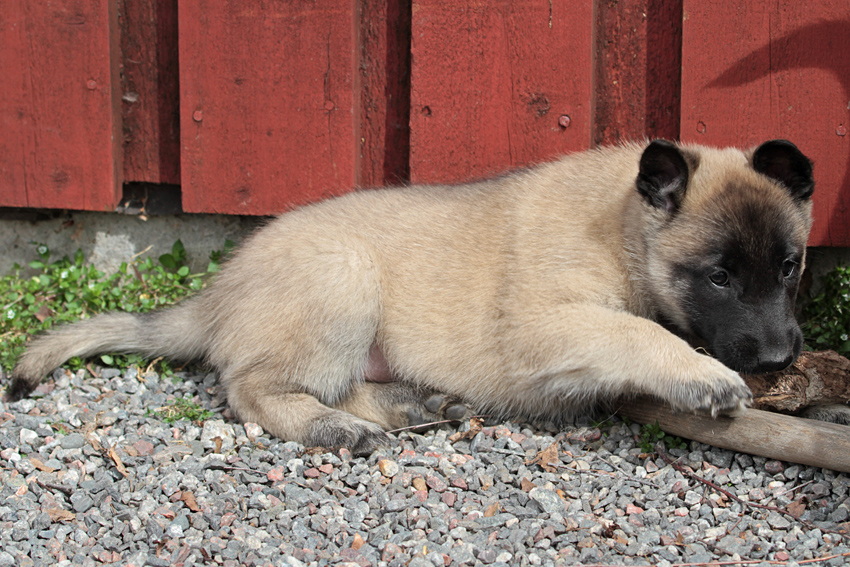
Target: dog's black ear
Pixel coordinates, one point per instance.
(783, 162)
(663, 176)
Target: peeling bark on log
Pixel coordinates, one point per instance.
(815, 379)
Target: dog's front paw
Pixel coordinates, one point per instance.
(712, 387)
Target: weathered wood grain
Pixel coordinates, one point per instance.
(491, 82)
(815, 379)
(638, 70)
(59, 105)
(753, 71)
(149, 91)
(763, 433)
(384, 92)
(268, 106)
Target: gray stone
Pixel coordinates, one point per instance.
(258, 507)
(81, 501)
(548, 500)
(396, 505)
(28, 437)
(72, 441)
(218, 429)
(111, 543)
(777, 521)
(174, 530)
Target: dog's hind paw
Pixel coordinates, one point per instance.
(437, 407)
(340, 429)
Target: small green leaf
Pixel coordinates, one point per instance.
(168, 261)
(178, 251)
(107, 359)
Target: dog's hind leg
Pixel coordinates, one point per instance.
(300, 416)
(356, 421)
(287, 358)
(402, 404)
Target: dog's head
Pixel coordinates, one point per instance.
(727, 247)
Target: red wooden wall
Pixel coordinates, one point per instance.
(149, 90)
(269, 102)
(774, 69)
(254, 107)
(60, 144)
(491, 83)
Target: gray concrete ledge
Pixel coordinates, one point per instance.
(108, 239)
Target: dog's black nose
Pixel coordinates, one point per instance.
(774, 363)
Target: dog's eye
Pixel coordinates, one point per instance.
(719, 278)
(789, 268)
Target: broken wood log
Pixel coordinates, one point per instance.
(758, 432)
(815, 379)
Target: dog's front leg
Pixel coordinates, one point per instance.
(579, 353)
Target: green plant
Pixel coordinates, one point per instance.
(651, 434)
(604, 423)
(182, 408)
(68, 289)
(218, 256)
(826, 316)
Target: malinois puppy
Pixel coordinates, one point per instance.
(534, 294)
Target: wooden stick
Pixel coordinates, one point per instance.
(763, 433)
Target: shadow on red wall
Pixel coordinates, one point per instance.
(825, 45)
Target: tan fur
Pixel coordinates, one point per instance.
(533, 294)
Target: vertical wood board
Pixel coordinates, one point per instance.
(150, 91)
(268, 103)
(384, 92)
(59, 109)
(753, 71)
(638, 70)
(490, 82)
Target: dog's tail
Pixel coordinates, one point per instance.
(178, 333)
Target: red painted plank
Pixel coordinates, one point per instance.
(268, 106)
(384, 92)
(490, 82)
(638, 70)
(59, 110)
(150, 91)
(775, 69)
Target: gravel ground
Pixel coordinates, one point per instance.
(88, 475)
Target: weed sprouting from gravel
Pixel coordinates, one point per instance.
(182, 408)
(69, 289)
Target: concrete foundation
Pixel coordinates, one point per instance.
(108, 239)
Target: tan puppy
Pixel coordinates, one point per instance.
(537, 294)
